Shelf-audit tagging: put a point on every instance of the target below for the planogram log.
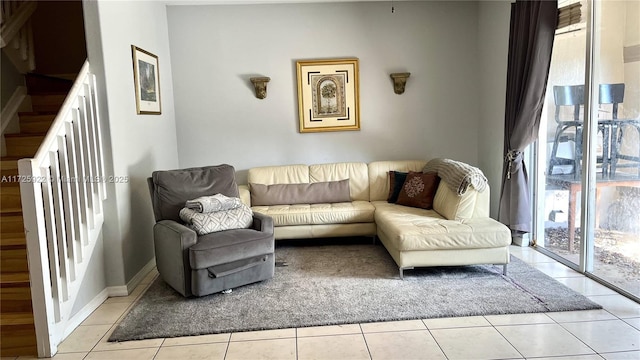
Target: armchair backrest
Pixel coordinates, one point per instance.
(170, 189)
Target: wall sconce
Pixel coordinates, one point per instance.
(399, 81)
(260, 84)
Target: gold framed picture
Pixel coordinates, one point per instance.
(146, 79)
(328, 95)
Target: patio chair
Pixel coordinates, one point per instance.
(567, 97)
(623, 138)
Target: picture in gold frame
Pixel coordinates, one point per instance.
(146, 79)
(328, 95)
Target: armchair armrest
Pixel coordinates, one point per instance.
(262, 222)
(172, 242)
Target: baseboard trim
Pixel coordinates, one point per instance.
(522, 240)
(125, 290)
(114, 291)
(631, 53)
(84, 313)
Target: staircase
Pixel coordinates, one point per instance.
(17, 331)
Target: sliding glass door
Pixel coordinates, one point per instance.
(588, 158)
(616, 71)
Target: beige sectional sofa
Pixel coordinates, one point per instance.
(457, 231)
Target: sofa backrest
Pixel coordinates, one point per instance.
(370, 182)
(356, 172)
(446, 202)
(379, 175)
(471, 204)
(285, 174)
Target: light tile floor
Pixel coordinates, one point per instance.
(611, 333)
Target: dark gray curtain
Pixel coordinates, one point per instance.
(533, 25)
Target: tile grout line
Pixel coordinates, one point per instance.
(436, 340)
(505, 338)
(567, 330)
(226, 350)
(365, 341)
(157, 351)
(575, 336)
(115, 323)
(296, 332)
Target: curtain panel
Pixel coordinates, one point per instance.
(532, 30)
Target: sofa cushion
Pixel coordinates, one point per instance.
(311, 193)
(319, 214)
(396, 180)
(418, 190)
(172, 188)
(419, 229)
(453, 207)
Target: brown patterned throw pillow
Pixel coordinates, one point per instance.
(419, 189)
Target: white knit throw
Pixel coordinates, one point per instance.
(217, 202)
(206, 223)
(457, 175)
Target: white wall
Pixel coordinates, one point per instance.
(215, 49)
(493, 44)
(136, 144)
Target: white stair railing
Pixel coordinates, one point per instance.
(62, 189)
(16, 33)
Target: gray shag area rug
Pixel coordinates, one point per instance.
(350, 283)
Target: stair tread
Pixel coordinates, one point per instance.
(43, 83)
(23, 135)
(14, 278)
(11, 210)
(9, 183)
(13, 239)
(7, 213)
(17, 318)
(36, 118)
(10, 161)
(49, 93)
(36, 113)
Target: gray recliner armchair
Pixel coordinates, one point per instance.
(198, 265)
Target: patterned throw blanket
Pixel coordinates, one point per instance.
(457, 175)
(217, 202)
(215, 213)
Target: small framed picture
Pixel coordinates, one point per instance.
(328, 95)
(146, 79)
